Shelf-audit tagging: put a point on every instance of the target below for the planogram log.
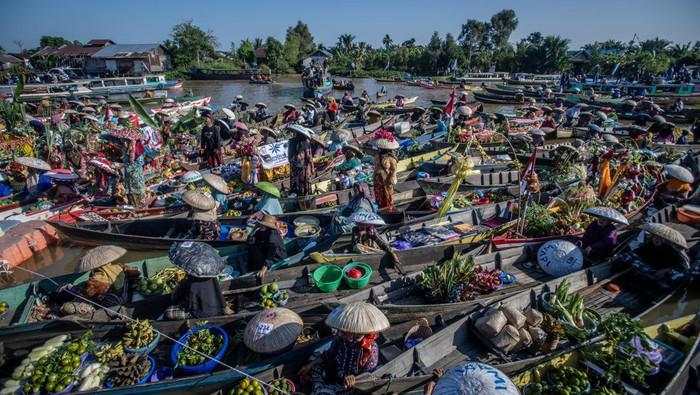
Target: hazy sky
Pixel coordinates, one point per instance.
(147, 21)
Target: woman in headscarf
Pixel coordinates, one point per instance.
(352, 160)
(301, 161)
(291, 114)
(210, 142)
(662, 241)
(600, 237)
(385, 173)
(203, 213)
(265, 246)
(339, 138)
(332, 109)
(353, 350)
(678, 185)
(199, 295)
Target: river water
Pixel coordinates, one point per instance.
(63, 258)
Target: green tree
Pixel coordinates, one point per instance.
(298, 44)
(52, 41)
(388, 42)
(2, 50)
(246, 52)
(189, 44)
(657, 45)
(275, 56)
(345, 42)
(474, 38)
(502, 26)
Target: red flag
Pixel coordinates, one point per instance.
(450, 106)
(529, 168)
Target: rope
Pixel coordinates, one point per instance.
(133, 320)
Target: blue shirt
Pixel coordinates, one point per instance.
(269, 205)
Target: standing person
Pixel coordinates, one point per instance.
(199, 295)
(265, 246)
(153, 142)
(399, 101)
(134, 181)
(210, 142)
(385, 173)
(300, 155)
(365, 95)
(260, 112)
(166, 130)
(269, 202)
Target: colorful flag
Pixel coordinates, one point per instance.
(450, 106)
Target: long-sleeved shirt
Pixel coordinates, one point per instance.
(265, 247)
(601, 239)
(210, 139)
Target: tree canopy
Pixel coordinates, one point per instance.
(189, 44)
(53, 41)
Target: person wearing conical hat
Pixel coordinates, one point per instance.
(210, 142)
(677, 187)
(600, 237)
(339, 138)
(366, 240)
(260, 112)
(353, 350)
(353, 156)
(663, 256)
(203, 213)
(219, 190)
(300, 155)
(265, 246)
(269, 202)
(385, 173)
(290, 114)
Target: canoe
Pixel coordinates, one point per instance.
(483, 181)
(669, 380)
(157, 233)
(23, 214)
(403, 299)
(459, 341)
(464, 227)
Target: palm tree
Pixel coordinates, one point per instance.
(345, 42)
(387, 41)
(555, 50)
(257, 43)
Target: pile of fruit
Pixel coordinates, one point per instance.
(248, 387)
(129, 370)
(53, 367)
(355, 273)
(92, 376)
(201, 342)
(271, 296)
(281, 386)
(109, 352)
(138, 334)
(481, 282)
(4, 306)
(163, 282)
(562, 380)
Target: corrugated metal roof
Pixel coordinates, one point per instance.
(124, 50)
(99, 42)
(75, 50)
(6, 58)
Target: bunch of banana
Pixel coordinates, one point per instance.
(109, 352)
(138, 334)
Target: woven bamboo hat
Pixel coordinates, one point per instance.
(198, 200)
(272, 330)
(680, 173)
(269, 188)
(216, 182)
(98, 257)
(269, 221)
(34, 163)
(205, 215)
(353, 148)
(667, 233)
(191, 176)
(607, 213)
(358, 318)
(659, 119)
(271, 131)
(609, 138)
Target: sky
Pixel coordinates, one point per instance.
(149, 21)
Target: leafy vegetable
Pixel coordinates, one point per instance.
(142, 113)
(440, 280)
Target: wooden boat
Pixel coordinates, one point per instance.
(482, 181)
(155, 234)
(459, 341)
(182, 108)
(533, 79)
(670, 380)
(403, 299)
(464, 227)
(26, 213)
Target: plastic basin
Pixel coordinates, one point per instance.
(327, 277)
(209, 364)
(361, 282)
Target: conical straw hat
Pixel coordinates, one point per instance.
(357, 317)
(667, 233)
(198, 200)
(34, 163)
(216, 182)
(98, 257)
(680, 173)
(386, 144)
(607, 213)
(272, 330)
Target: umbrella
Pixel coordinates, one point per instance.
(98, 257)
(229, 114)
(357, 318)
(269, 188)
(197, 259)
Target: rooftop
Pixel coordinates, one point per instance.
(125, 50)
